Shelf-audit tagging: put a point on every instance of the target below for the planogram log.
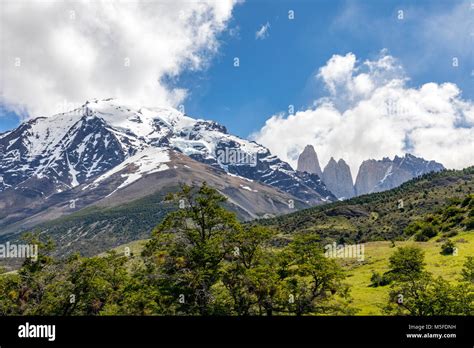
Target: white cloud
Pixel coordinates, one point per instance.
(74, 51)
(262, 33)
(442, 33)
(371, 112)
(338, 71)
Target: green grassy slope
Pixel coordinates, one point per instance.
(370, 300)
(435, 202)
(377, 216)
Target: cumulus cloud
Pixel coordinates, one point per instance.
(371, 112)
(67, 52)
(263, 33)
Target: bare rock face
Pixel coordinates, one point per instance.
(338, 179)
(376, 175)
(308, 161)
(371, 172)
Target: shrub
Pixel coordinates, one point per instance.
(378, 279)
(469, 224)
(451, 234)
(466, 201)
(448, 247)
(422, 230)
(452, 212)
(468, 270)
(406, 263)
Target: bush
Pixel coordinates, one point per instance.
(469, 224)
(419, 237)
(468, 270)
(378, 279)
(452, 212)
(451, 234)
(422, 230)
(406, 263)
(466, 201)
(448, 247)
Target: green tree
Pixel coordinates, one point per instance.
(26, 290)
(251, 274)
(92, 283)
(415, 291)
(311, 280)
(188, 249)
(467, 272)
(426, 296)
(406, 263)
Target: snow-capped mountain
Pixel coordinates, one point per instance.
(78, 151)
(73, 147)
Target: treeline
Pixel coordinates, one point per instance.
(201, 261)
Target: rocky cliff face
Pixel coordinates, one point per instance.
(373, 175)
(371, 172)
(385, 174)
(308, 161)
(338, 179)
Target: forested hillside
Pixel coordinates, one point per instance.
(379, 216)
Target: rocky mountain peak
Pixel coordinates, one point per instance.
(341, 161)
(338, 178)
(308, 161)
(385, 174)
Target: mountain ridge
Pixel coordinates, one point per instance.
(380, 215)
(45, 159)
(373, 175)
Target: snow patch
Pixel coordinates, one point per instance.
(240, 177)
(247, 188)
(148, 161)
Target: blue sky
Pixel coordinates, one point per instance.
(280, 70)
(8, 119)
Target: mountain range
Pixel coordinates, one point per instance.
(97, 176)
(105, 154)
(373, 175)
